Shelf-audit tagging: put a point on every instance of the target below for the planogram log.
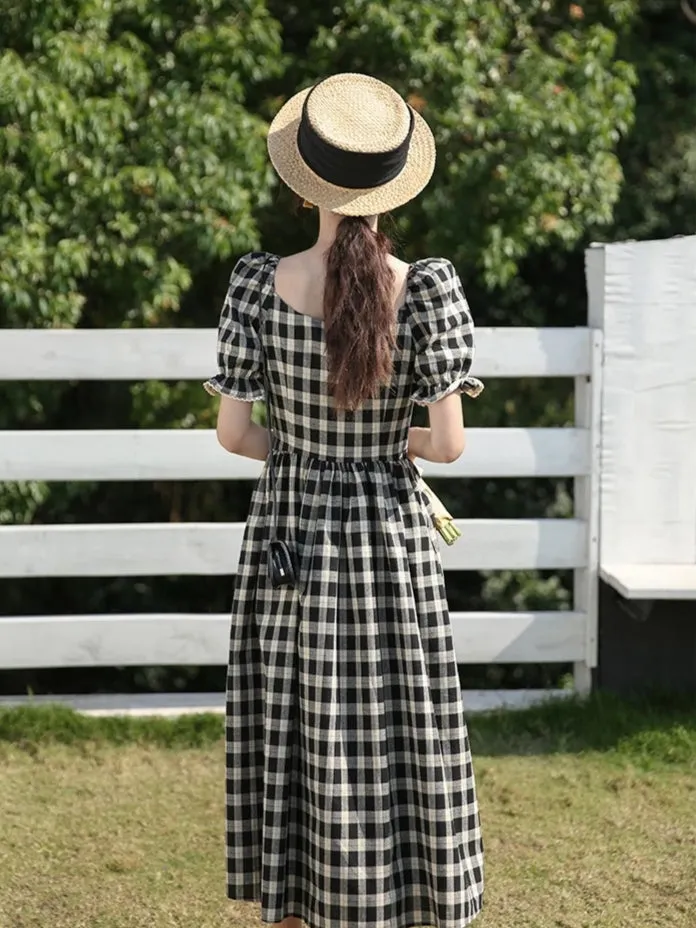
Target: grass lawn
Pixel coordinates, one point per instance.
(588, 811)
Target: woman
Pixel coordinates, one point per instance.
(351, 799)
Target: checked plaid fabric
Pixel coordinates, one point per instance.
(350, 791)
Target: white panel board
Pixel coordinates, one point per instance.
(107, 354)
(168, 549)
(519, 352)
(113, 640)
(194, 454)
(652, 581)
(173, 705)
(518, 637)
(189, 354)
(161, 639)
(648, 480)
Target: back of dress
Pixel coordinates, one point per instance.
(348, 764)
(433, 356)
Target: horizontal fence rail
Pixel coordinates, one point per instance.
(208, 549)
(151, 549)
(195, 454)
(132, 640)
(188, 354)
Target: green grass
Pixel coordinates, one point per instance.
(587, 811)
(32, 726)
(652, 729)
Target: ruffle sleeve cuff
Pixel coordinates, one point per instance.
(443, 331)
(239, 346)
(221, 385)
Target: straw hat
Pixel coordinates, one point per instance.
(352, 145)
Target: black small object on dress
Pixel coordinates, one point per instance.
(281, 562)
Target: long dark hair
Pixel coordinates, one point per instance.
(359, 319)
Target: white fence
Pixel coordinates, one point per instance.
(205, 549)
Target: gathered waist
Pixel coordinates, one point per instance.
(297, 455)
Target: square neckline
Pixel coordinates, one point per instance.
(320, 319)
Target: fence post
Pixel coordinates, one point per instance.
(588, 398)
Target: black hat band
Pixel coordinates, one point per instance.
(354, 170)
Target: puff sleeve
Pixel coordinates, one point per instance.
(443, 333)
(239, 348)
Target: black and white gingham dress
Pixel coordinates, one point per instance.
(350, 793)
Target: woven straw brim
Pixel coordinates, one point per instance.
(286, 159)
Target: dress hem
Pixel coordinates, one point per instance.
(476, 910)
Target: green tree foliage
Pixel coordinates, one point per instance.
(658, 198)
(129, 161)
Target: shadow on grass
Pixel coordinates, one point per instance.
(652, 727)
(649, 729)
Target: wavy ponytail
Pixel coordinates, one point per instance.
(359, 319)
